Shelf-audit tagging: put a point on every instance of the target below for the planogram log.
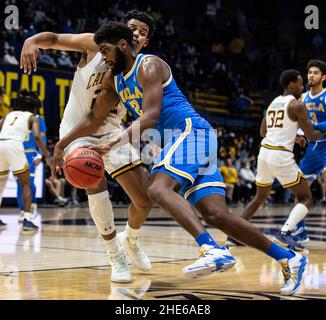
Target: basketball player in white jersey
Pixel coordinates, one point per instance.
(284, 116)
(15, 129)
(123, 164)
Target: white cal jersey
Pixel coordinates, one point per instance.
(281, 130)
(85, 88)
(16, 126)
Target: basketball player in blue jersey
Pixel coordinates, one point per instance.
(34, 158)
(314, 160)
(187, 164)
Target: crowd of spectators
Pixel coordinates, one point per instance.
(219, 49)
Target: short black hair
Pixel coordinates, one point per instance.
(142, 16)
(112, 32)
(26, 101)
(289, 76)
(321, 65)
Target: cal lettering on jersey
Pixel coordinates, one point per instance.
(84, 91)
(95, 81)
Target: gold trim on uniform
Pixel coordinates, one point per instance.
(168, 81)
(263, 185)
(166, 160)
(3, 173)
(267, 146)
(116, 84)
(22, 170)
(125, 169)
(203, 185)
(292, 184)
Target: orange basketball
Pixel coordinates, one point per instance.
(83, 168)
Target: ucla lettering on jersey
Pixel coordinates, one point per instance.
(316, 107)
(314, 160)
(175, 107)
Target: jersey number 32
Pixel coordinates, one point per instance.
(276, 118)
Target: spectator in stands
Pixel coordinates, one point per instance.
(243, 101)
(46, 60)
(4, 103)
(64, 60)
(247, 182)
(230, 176)
(40, 15)
(10, 56)
(237, 45)
(217, 47)
(56, 188)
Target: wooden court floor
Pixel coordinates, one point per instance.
(66, 259)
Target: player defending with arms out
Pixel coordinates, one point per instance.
(122, 164)
(15, 127)
(179, 168)
(276, 159)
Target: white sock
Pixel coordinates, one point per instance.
(34, 207)
(297, 214)
(112, 246)
(132, 234)
(100, 207)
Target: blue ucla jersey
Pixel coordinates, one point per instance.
(175, 107)
(30, 143)
(316, 107)
(190, 145)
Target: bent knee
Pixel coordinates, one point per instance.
(142, 203)
(216, 218)
(153, 193)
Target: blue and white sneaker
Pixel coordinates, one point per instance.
(301, 236)
(285, 238)
(292, 270)
(29, 226)
(211, 260)
(2, 225)
(230, 242)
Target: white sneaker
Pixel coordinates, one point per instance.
(119, 267)
(211, 260)
(135, 252)
(292, 270)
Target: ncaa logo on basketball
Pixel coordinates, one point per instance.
(12, 20)
(312, 20)
(93, 165)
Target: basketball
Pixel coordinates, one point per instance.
(83, 168)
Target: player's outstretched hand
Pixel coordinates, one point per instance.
(57, 159)
(104, 148)
(28, 57)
